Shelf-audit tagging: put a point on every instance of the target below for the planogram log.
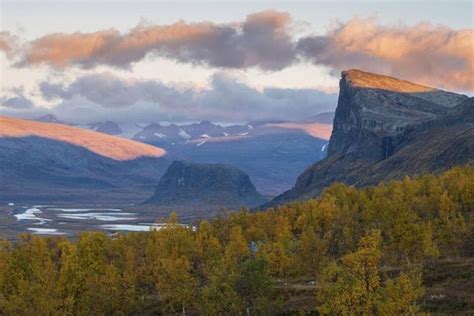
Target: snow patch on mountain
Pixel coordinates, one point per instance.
(183, 134)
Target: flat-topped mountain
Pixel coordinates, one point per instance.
(201, 185)
(373, 110)
(386, 128)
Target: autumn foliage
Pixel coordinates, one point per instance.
(364, 249)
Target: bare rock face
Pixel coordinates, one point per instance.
(374, 111)
(187, 184)
(386, 128)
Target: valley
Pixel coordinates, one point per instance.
(236, 158)
(384, 128)
(68, 221)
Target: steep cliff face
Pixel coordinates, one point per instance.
(387, 128)
(374, 111)
(205, 186)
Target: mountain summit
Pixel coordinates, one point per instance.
(374, 109)
(386, 128)
(362, 79)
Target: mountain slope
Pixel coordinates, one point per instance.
(52, 162)
(102, 144)
(387, 128)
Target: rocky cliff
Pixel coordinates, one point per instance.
(200, 185)
(386, 128)
(373, 111)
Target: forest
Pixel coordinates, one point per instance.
(350, 251)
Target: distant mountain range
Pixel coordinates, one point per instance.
(319, 126)
(272, 153)
(386, 128)
(48, 160)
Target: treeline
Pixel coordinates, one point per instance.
(364, 249)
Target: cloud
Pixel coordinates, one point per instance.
(261, 40)
(18, 105)
(423, 53)
(7, 42)
(104, 96)
(104, 89)
(18, 102)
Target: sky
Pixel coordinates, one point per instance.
(89, 61)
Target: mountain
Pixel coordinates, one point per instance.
(205, 186)
(386, 128)
(162, 135)
(107, 127)
(272, 153)
(203, 129)
(272, 160)
(126, 130)
(49, 161)
(48, 118)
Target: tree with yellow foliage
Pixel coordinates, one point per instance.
(354, 285)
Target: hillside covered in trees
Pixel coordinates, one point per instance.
(395, 248)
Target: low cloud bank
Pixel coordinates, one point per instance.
(105, 96)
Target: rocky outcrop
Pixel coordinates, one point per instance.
(200, 185)
(386, 128)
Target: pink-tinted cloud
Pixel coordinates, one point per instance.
(7, 42)
(261, 40)
(424, 53)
